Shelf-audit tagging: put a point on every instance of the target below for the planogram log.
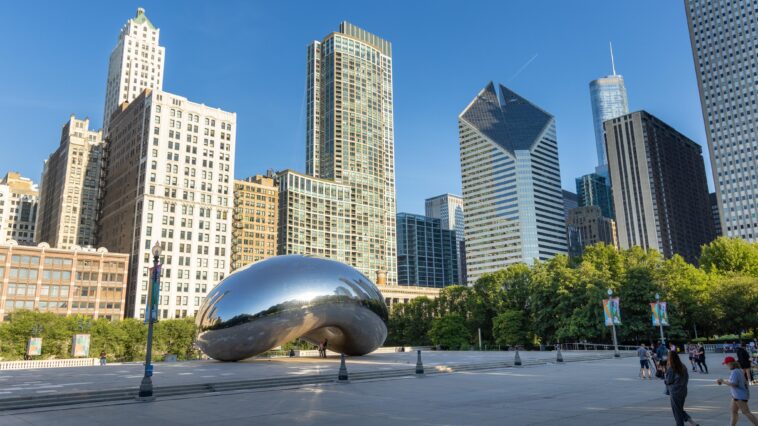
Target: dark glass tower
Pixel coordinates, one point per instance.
(593, 190)
(427, 255)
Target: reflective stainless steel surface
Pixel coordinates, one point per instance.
(282, 298)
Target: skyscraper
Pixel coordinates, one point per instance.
(609, 100)
(70, 188)
(350, 140)
(136, 63)
(715, 213)
(449, 209)
(593, 190)
(722, 36)
(590, 227)
(511, 182)
(255, 224)
(169, 180)
(660, 190)
(570, 201)
(426, 252)
(18, 209)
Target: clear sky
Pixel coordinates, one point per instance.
(249, 57)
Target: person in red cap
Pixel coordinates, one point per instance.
(739, 389)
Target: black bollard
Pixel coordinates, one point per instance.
(559, 355)
(517, 359)
(342, 377)
(419, 365)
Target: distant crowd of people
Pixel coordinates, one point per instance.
(668, 366)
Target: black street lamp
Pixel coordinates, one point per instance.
(151, 315)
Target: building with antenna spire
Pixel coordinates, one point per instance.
(609, 100)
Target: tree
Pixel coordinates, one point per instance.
(735, 300)
(509, 328)
(730, 255)
(175, 337)
(409, 323)
(449, 332)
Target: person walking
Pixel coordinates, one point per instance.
(738, 388)
(676, 379)
(692, 353)
(661, 355)
(644, 363)
(103, 358)
(321, 350)
(743, 358)
(326, 342)
(701, 358)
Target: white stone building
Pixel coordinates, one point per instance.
(169, 179)
(18, 209)
(136, 63)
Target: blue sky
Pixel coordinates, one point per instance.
(249, 57)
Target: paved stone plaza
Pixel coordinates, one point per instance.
(600, 392)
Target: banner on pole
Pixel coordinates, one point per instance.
(153, 297)
(34, 346)
(80, 345)
(612, 311)
(660, 316)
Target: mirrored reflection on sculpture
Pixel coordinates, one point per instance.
(283, 298)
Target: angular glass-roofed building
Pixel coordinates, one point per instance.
(511, 182)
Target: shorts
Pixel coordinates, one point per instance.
(644, 364)
(738, 400)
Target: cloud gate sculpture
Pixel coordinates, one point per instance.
(282, 298)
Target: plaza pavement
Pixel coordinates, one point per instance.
(600, 392)
(52, 381)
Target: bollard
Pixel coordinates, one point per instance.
(342, 377)
(559, 355)
(419, 365)
(517, 358)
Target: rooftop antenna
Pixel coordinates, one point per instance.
(613, 63)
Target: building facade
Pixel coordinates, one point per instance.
(594, 190)
(660, 191)
(169, 179)
(70, 188)
(136, 64)
(609, 100)
(402, 294)
(570, 201)
(715, 213)
(255, 224)
(19, 198)
(85, 282)
(427, 254)
(314, 217)
(721, 35)
(591, 227)
(350, 140)
(511, 182)
(448, 208)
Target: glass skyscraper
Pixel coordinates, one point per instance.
(722, 34)
(593, 190)
(350, 142)
(511, 182)
(426, 253)
(449, 209)
(609, 100)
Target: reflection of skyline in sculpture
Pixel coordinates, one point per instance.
(279, 299)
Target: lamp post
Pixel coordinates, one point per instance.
(146, 387)
(660, 318)
(616, 353)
